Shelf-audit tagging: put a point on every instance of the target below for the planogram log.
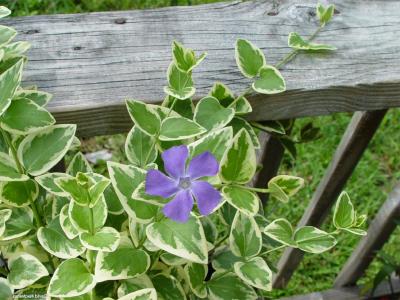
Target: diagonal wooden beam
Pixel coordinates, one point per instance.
(355, 140)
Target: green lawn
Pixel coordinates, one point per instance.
(373, 179)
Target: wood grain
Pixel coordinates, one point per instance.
(378, 233)
(355, 140)
(93, 62)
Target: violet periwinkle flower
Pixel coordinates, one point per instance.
(184, 184)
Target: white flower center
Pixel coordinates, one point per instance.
(184, 183)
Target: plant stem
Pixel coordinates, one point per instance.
(292, 54)
(273, 249)
(91, 223)
(258, 190)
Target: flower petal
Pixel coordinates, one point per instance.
(175, 161)
(206, 195)
(158, 184)
(179, 208)
(202, 165)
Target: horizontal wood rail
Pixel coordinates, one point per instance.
(93, 62)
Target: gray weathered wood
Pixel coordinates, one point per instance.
(92, 62)
(350, 293)
(378, 233)
(354, 141)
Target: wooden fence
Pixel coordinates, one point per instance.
(93, 62)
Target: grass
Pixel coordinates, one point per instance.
(373, 179)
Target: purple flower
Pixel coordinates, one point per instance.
(183, 183)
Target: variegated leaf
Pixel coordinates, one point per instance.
(66, 225)
(9, 81)
(180, 84)
(244, 200)
(210, 114)
(78, 164)
(25, 269)
(8, 169)
(6, 291)
(145, 294)
(42, 150)
(196, 274)
(184, 240)
(145, 116)
(18, 224)
(80, 215)
(226, 97)
(184, 58)
(344, 215)
(6, 34)
(24, 116)
(5, 214)
(249, 58)
(270, 81)
(125, 179)
(245, 237)
(255, 272)
(179, 128)
(39, 97)
(54, 241)
(168, 287)
(239, 162)
(295, 41)
(282, 231)
(110, 266)
(72, 278)
(226, 285)
(282, 187)
(139, 148)
(4, 11)
(19, 193)
(106, 239)
(48, 182)
(313, 240)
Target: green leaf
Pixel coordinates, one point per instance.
(72, 278)
(242, 199)
(226, 97)
(111, 266)
(19, 193)
(134, 284)
(24, 116)
(66, 225)
(224, 286)
(282, 231)
(179, 128)
(313, 240)
(19, 224)
(255, 272)
(196, 274)
(183, 108)
(125, 179)
(39, 97)
(239, 162)
(145, 116)
(76, 188)
(54, 241)
(210, 114)
(42, 150)
(325, 14)
(185, 58)
(15, 50)
(168, 287)
(145, 294)
(78, 164)
(344, 215)
(6, 34)
(270, 82)
(245, 237)
(6, 291)
(8, 169)
(270, 126)
(172, 260)
(249, 58)
(4, 11)
(5, 214)
(48, 182)
(295, 41)
(224, 259)
(80, 215)
(139, 148)
(9, 82)
(215, 142)
(113, 204)
(238, 123)
(25, 269)
(180, 84)
(97, 189)
(106, 239)
(282, 187)
(184, 240)
(356, 231)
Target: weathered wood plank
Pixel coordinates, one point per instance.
(351, 293)
(355, 140)
(378, 233)
(92, 62)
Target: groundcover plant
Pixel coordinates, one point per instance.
(181, 221)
